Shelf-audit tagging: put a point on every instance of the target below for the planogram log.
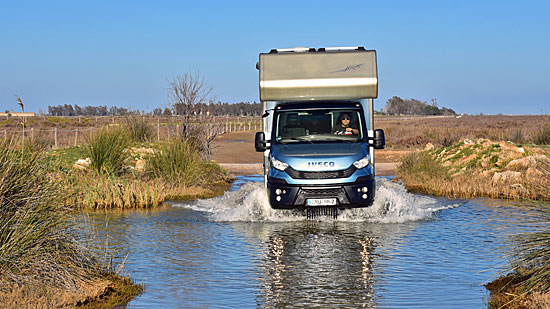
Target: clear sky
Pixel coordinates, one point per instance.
(472, 56)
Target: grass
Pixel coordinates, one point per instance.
(174, 171)
(466, 171)
(106, 150)
(39, 258)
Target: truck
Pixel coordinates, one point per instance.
(318, 135)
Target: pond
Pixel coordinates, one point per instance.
(235, 251)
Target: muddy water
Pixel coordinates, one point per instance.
(234, 251)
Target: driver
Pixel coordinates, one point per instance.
(344, 126)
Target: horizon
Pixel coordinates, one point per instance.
(475, 58)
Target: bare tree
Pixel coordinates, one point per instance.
(189, 94)
(185, 92)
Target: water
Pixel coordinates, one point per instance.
(235, 251)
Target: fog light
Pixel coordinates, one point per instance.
(278, 191)
(365, 189)
(358, 189)
(364, 196)
(284, 191)
(278, 198)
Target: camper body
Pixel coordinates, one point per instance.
(310, 160)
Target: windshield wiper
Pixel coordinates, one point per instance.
(302, 139)
(339, 140)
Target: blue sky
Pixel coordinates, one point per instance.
(472, 56)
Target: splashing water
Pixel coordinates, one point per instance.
(392, 204)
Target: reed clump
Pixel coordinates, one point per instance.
(106, 150)
(39, 258)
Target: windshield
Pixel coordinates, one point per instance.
(319, 125)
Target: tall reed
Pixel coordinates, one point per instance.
(106, 150)
(177, 161)
(35, 246)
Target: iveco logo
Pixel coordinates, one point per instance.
(317, 164)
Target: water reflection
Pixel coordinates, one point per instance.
(308, 263)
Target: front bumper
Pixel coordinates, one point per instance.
(348, 195)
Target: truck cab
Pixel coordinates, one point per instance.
(318, 133)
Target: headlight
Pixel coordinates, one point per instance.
(278, 164)
(359, 164)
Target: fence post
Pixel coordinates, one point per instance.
(158, 132)
(75, 136)
(55, 137)
(32, 135)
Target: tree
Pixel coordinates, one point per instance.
(185, 92)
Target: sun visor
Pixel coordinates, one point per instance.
(318, 75)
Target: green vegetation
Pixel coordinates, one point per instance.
(106, 150)
(123, 173)
(179, 161)
(39, 258)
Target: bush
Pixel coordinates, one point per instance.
(139, 129)
(106, 150)
(542, 137)
(177, 161)
(36, 246)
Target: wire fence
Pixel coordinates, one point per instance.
(67, 137)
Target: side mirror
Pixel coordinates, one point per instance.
(379, 141)
(259, 142)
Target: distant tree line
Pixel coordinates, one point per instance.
(219, 109)
(399, 106)
(213, 109)
(70, 110)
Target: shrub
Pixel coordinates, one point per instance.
(177, 161)
(531, 261)
(36, 246)
(542, 137)
(106, 150)
(138, 129)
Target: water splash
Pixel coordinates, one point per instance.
(392, 204)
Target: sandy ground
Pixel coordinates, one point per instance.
(235, 152)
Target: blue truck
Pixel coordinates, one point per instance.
(318, 134)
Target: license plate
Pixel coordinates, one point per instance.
(321, 202)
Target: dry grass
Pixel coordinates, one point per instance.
(416, 132)
(131, 192)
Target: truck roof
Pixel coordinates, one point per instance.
(305, 74)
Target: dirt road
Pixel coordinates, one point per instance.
(235, 152)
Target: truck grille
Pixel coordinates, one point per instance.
(320, 175)
(321, 192)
